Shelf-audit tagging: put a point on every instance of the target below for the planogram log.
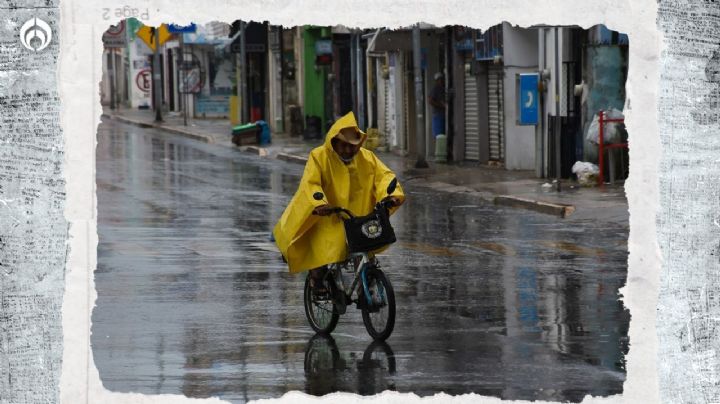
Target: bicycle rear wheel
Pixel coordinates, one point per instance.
(379, 313)
(320, 310)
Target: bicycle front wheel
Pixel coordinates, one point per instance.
(379, 313)
(320, 310)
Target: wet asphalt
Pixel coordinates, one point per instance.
(194, 299)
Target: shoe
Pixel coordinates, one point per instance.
(317, 287)
(340, 302)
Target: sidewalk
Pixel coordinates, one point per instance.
(519, 189)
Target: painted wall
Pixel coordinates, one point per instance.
(521, 56)
(275, 107)
(106, 80)
(520, 46)
(380, 86)
(397, 84)
(314, 85)
(140, 77)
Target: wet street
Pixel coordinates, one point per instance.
(194, 299)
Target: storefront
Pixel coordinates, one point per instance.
(205, 75)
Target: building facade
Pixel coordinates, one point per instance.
(303, 78)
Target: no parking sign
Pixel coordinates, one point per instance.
(142, 80)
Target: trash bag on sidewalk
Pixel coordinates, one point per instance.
(586, 173)
(612, 133)
(264, 133)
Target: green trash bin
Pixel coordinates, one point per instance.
(248, 133)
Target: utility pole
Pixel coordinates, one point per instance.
(156, 75)
(419, 100)
(113, 79)
(353, 75)
(556, 126)
(243, 97)
(360, 81)
(238, 87)
(540, 127)
(182, 78)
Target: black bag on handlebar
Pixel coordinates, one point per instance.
(371, 232)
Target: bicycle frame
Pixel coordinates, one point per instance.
(361, 262)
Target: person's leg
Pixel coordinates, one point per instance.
(318, 273)
(438, 124)
(316, 276)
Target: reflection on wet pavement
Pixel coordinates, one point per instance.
(193, 297)
(328, 369)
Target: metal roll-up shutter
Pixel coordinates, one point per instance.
(386, 104)
(472, 114)
(496, 117)
(406, 109)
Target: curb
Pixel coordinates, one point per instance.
(539, 206)
(181, 132)
(291, 158)
(256, 150)
(554, 209)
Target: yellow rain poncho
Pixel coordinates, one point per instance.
(308, 241)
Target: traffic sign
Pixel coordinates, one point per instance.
(114, 37)
(191, 74)
(143, 80)
(147, 34)
(192, 82)
(323, 47)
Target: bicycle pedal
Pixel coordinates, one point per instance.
(341, 307)
(341, 302)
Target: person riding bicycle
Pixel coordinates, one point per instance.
(348, 176)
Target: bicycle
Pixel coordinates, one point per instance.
(370, 290)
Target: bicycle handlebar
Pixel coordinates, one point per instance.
(386, 203)
(337, 209)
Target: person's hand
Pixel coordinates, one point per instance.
(322, 210)
(396, 201)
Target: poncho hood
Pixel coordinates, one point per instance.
(347, 121)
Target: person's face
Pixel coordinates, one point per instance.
(345, 150)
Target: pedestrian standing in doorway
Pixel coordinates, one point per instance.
(437, 102)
